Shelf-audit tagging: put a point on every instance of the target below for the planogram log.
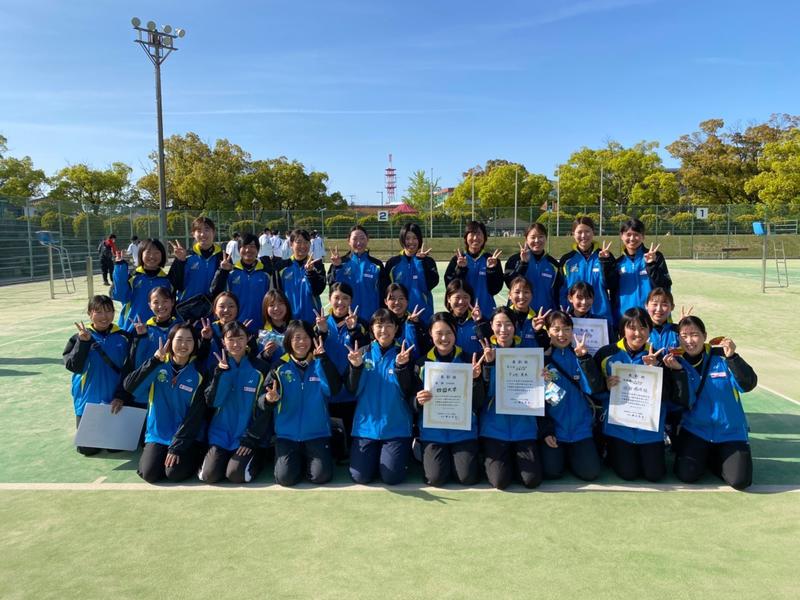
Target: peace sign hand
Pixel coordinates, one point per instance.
(686, 312)
(604, 250)
(538, 320)
(319, 348)
(83, 334)
(139, 327)
(162, 350)
(477, 365)
(404, 355)
(461, 259)
(354, 357)
(524, 253)
(580, 345)
(206, 332)
(414, 316)
(422, 253)
(476, 312)
(651, 358)
(272, 395)
(320, 321)
(488, 351)
(491, 262)
(309, 266)
(351, 320)
(178, 250)
(226, 264)
(650, 255)
(336, 260)
(222, 361)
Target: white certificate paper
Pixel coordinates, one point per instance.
(596, 331)
(519, 385)
(636, 400)
(451, 406)
(100, 429)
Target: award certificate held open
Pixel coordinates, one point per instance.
(636, 400)
(518, 377)
(451, 405)
(596, 331)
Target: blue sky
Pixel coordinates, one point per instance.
(339, 85)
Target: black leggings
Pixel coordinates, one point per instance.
(505, 460)
(219, 464)
(311, 458)
(440, 460)
(581, 456)
(731, 461)
(151, 463)
(631, 461)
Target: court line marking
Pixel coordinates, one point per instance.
(784, 396)
(100, 485)
(33, 337)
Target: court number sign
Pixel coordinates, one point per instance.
(383, 215)
(701, 213)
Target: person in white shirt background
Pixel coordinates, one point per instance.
(233, 248)
(286, 247)
(133, 250)
(317, 246)
(265, 239)
(277, 245)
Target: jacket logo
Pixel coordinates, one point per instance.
(287, 274)
(313, 378)
(573, 269)
(718, 374)
(289, 376)
(195, 266)
(236, 279)
(548, 275)
(162, 376)
(185, 388)
(252, 390)
(369, 364)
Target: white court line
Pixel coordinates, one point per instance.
(99, 485)
(784, 396)
(33, 337)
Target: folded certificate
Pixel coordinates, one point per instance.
(451, 386)
(100, 429)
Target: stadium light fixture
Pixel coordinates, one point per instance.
(158, 45)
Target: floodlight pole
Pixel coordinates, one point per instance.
(158, 45)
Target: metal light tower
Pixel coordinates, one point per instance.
(158, 45)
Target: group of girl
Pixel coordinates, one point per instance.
(267, 371)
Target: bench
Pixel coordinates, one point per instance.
(726, 252)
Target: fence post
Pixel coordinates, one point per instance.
(89, 276)
(50, 264)
(88, 235)
(29, 215)
(60, 224)
(728, 210)
(691, 250)
(186, 230)
(657, 220)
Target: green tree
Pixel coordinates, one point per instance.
(716, 163)
(777, 184)
(17, 176)
(418, 192)
(93, 188)
(660, 187)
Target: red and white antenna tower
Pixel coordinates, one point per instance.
(391, 181)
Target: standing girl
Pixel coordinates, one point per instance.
(414, 269)
(360, 271)
(539, 268)
(637, 271)
(301, 278)
(133, 290)
(382, 422)
(176, 407)
(478, 268)
(589, 263)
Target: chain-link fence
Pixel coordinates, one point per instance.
(685, 231)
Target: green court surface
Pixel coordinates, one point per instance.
(88, 527)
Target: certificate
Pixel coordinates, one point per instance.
(451, 405)
(636, 400)
(596, 331)
(100, 429)
(519, 386)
